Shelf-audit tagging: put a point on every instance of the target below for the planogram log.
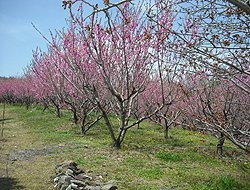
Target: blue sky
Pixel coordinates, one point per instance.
(17, 36)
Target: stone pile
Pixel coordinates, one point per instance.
(70, 177)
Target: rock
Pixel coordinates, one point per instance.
(83, 177)
(13, 159)
(69, 172)
(79, 171)
(87, 177)
(69, 177)
(78, 182)
(80, 176)
(109, 187)
(105, 174)
(90, 183)
(92, 188)
(69, 188)
(64, 187)
(72, 186)
(56, 179)
(99, 177)
(61, 168)
(98, 182)
(64, 180)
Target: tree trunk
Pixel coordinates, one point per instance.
(137, 118)
(3, 120)
(27, 105)
(89, 125)
(27, 102)
(220, 144)
(118, 141)
(166, 129)
(138, 126)
(117, 144)
(121, 136)
(2, 132)
(45, 107)
(75, 118)
(83, 121)
(243, 6)
(58, 113)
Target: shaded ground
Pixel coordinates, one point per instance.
(6, 119)
(8, 183)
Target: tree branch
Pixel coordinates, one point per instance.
(243, 6)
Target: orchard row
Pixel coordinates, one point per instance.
(137, 63)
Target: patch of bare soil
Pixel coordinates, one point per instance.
(27, 155)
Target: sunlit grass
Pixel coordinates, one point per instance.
(187, 160)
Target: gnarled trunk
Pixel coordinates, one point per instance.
(58, 112)
(166, 129)
(75, 117)
(221, 141)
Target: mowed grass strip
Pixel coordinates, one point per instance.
(187, 160)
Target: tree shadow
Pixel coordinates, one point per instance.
(7, 183)
(7, 119)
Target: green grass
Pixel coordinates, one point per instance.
(223, 183)
(169, 156)
(187, 160)
(150, 173)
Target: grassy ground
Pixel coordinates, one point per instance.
(186, 161)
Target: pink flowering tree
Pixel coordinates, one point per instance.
(16, 90)
(221, 65)
(116, 59)
(112, 63)
(48, 84)
(224, 39)
(56, 82)
(170, 60)
(169, 114)
(23, 90)
(118, 66)
(6, 93)
(220, 108)
(73, 65)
